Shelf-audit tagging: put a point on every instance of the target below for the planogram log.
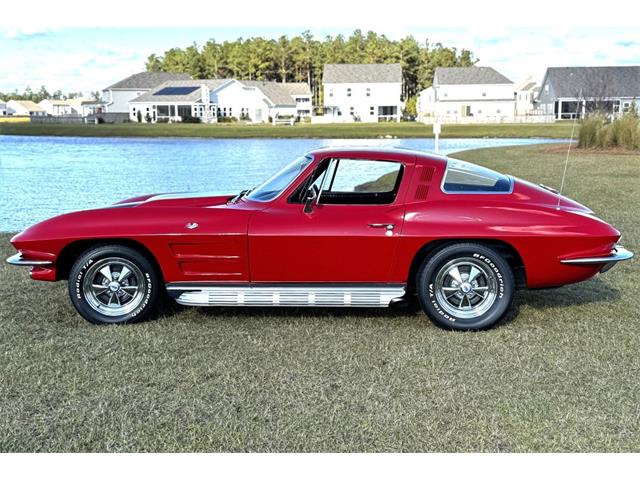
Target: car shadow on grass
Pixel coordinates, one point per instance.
(592, 291)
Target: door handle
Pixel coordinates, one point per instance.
(388, 226)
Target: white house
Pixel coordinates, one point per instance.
(24, 108)
(526, 96)
(3, 108)
(362, 92)
(467, 94)
(117, 96)
(56, 108)
(211, 100)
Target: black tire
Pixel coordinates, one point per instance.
(444, 286)
(133, 299)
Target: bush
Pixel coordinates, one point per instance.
(623, 132)
(227, 119)
(190, 119)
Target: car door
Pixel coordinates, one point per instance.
(349, 235)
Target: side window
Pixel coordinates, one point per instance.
(463, 177)
(360, 182)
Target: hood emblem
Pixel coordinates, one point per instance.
(191, 225)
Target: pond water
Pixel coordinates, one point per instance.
(45, 176)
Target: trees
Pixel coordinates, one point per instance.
(302, 58)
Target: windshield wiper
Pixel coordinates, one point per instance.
(237, 198)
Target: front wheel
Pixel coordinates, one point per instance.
(466, 286)
(113, 284)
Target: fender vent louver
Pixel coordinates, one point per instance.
(422, 191)
(425, 176)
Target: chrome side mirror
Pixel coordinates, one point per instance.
(309, 199)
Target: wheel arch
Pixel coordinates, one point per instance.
(508, 251)
(69, 254)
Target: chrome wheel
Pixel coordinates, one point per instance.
(114, 286)
(466, 287)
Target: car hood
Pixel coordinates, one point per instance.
(174, 200)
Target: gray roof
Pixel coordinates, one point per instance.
(469, 76)
(189, 97)
(279, 93)
(594, 81)
(147, 80)
(362, 73)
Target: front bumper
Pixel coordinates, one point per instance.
(20, 261)
(618, 254)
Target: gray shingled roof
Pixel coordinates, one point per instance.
(279, 93)
(594, 81)
(189, 97)
(469, 76)
(147, 80)
(362, 73)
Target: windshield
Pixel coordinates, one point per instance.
(276, 184)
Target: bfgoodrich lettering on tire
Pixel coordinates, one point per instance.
(465, 286)
(113, 284)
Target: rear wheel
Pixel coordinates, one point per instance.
(465, 286)
(113, 284)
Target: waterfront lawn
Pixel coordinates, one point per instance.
(352, 130)
(562, 376)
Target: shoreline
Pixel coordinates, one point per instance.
(382, 131)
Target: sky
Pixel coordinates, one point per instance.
(89, 59)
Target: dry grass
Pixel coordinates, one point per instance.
(562, 376)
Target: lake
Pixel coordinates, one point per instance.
(45, 176)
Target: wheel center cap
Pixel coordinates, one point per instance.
(114, 286)
(465, 287)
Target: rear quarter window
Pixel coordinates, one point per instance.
(464, 177)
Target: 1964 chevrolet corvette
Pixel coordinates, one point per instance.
(336, 228)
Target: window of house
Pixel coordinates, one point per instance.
(479, 111)
(446, 94)
(484, 94)
(351, 110)
(626, 106)
(348, 92)
(372, 110)
(331, 92)
(368, 92)
(463, 177)
(498, 111)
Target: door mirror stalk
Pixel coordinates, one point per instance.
(309, 199)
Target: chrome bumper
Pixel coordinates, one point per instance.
(618, 254)
(21, 262)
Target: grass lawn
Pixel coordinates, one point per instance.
(353, 130)
(562, 376)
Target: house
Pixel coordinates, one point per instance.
(56, 108)
(211, 100)
(526, 95)
(362, 92)
(567, 92)
(117, 96)
(3, 108)
(467, 94)
(24, 108)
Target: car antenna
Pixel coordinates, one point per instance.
(566, 161)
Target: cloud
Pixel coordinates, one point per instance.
(25, 33)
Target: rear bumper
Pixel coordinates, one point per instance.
(20, 261)
(617, 254)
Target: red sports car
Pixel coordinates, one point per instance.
(334, 228)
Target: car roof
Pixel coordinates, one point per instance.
(396, 153)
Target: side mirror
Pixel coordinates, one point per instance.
(309, 199)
